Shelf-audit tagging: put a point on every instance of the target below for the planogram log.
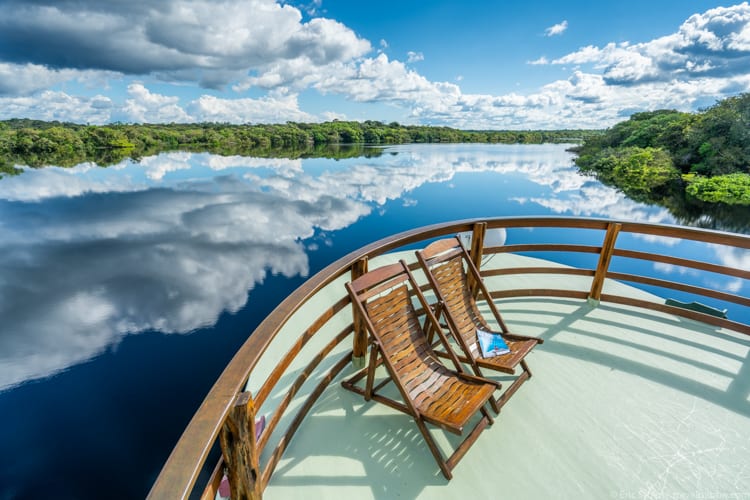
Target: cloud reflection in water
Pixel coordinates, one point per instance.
(80, 271)
(92, 254)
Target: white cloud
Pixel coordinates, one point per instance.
(53, 105)
(147, 107)
(210, 42)
(714, 43)
(590, 98)
(539, 62)
(706, 59)
(25, 79)
(383, 80)
(412, 56)
(333, 115)
(311, 7)
(144, 106)
(557, 29)
(270, 109)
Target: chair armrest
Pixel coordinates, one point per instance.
(514, 336)
(481, 380)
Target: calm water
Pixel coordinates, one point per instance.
(124, 291)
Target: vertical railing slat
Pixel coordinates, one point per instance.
(359, 347)
(605, 257)
(476, 252)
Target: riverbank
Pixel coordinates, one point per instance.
(37, 143)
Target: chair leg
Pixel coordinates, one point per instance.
(434, 449)
(490, 420)
(493, 403)
(498, 403)
(525, 367)
(466, 444)
(446, 466)
(504, 397)
(371, 372)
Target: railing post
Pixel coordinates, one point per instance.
(240, 450)
(477, 247)
(605, 257)
(359, 349)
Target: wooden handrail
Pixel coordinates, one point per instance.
(543, 247)
(706, 292)
(187, 459)
(287, 399)
(287, 359)
(676, 261)
(538, 270)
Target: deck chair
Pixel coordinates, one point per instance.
(431, 392)
(457, 285)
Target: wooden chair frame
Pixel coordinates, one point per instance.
(457, 284)
(431, 392)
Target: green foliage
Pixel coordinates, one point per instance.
(732, 189)
(639, 172)
(657, 129)
(715, 142)
(36, 143)
(720, 141)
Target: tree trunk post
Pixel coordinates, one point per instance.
(240, 450)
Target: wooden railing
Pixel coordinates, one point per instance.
(228, 412)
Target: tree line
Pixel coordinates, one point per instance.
(657, 155)
(38, 143)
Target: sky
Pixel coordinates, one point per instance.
(471, 64)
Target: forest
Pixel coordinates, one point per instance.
(37, 144)
(686, 161)
(659, 155)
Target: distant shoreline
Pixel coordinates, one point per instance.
(39, 143)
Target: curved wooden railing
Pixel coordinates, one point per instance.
(228, 412)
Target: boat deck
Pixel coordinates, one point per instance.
(624, 403)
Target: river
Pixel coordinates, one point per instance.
(125, 290)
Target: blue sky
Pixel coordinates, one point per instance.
(469, 64)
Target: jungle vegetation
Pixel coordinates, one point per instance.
(697, 165)
(663, 155)
(37, 143)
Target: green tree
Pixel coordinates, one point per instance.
(642, 170)
(732, 189)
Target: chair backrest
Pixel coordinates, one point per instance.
(384, 298)
(448, 267)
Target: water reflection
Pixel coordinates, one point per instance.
(93, 254)
(79, 272)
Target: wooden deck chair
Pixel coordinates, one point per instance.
(457, 285)
(431, 392)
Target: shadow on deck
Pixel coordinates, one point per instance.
(624, 403)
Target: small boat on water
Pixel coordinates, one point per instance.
(635, 394)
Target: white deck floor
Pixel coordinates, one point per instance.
(624, 403)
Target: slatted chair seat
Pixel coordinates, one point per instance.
(457, 285)
(431, 392)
